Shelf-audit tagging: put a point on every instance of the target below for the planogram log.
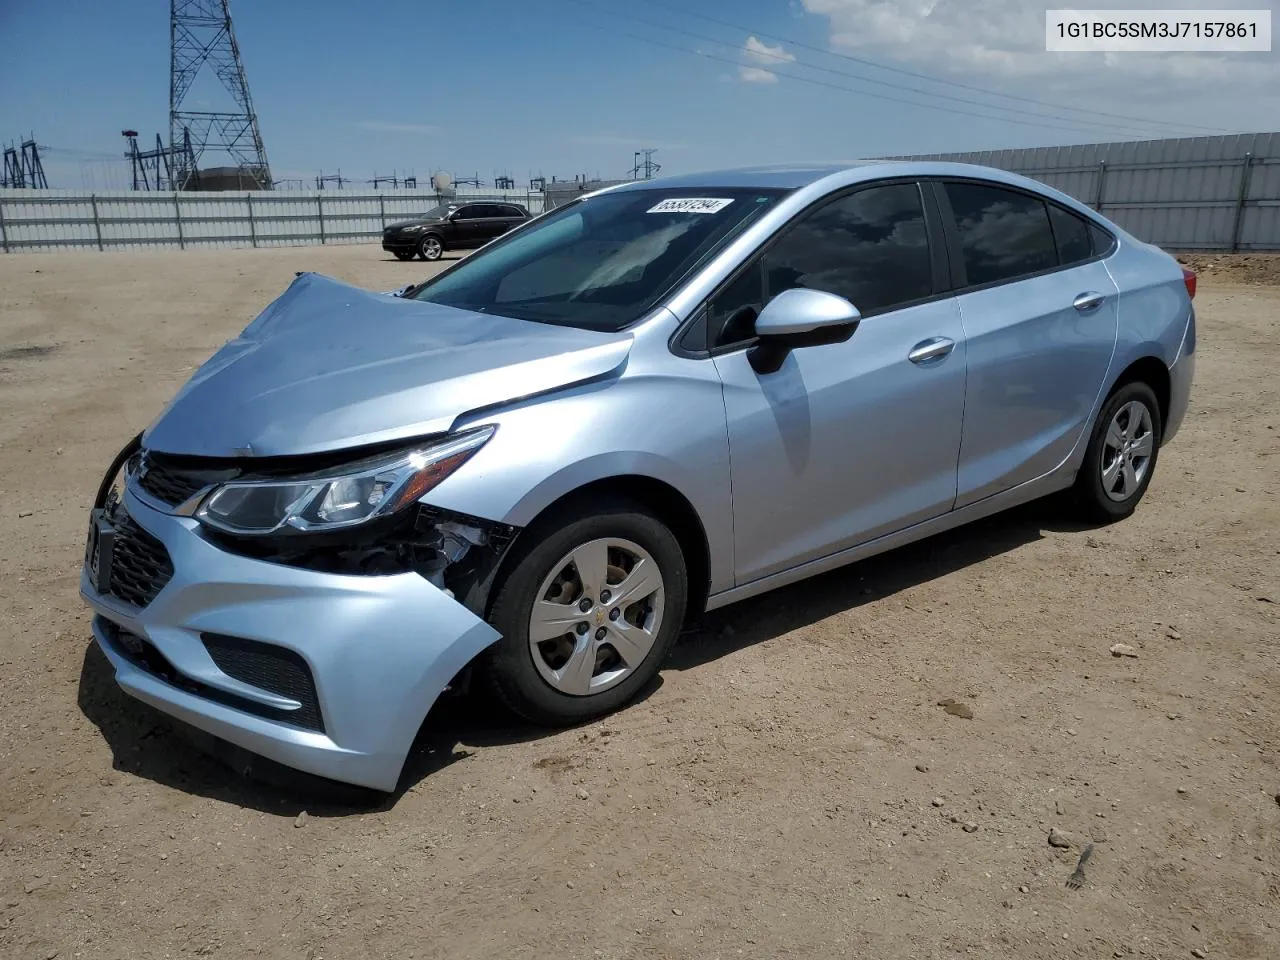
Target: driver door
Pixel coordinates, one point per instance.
(849, 441)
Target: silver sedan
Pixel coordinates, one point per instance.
(654, 401)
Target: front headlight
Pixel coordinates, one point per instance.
(342, 497)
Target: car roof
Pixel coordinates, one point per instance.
(823, 177)
(786, 176)
(798, 175)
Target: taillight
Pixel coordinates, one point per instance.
(1189, 279)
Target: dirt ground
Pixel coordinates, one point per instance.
(1250, 268)
(790, 789)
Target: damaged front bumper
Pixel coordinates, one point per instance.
(327, 672)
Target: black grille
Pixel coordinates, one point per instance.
(174, 483)
(269, 667)
(140, 565)
(140, 652)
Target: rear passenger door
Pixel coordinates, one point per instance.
(512, 217)
(493, 221)
(1040, 320)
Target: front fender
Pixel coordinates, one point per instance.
(662, 427)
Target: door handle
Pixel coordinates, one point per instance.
(931, 351)
(1088, 301)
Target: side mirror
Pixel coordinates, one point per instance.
(800, 318)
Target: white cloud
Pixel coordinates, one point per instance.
(756, 52)
(760, 51)
(1004, 40)
(394, 126)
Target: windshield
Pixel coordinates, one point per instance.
(439, 211)
(602, 262)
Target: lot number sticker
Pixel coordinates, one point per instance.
(689, 205)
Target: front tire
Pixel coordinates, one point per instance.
(1122, 454)
(430, 247)
(588, 611)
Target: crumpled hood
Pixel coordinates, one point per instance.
(329, 366)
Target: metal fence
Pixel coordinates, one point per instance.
(123, 220)
(558, 193)
(1197, 193)
(1190, 194)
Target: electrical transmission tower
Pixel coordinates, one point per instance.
(22, 166)
(155, 169)
(200, 33)
(646, 168)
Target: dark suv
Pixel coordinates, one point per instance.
(452, 226)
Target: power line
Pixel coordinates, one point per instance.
(88, 154)
(931, 79)
(1053, 124)
(783, 59)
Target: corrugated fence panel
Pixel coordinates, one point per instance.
(129, 220)
(1183, 194)
(1194, 193)
(287, 219)
(33, 221)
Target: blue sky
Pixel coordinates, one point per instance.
(563, 87)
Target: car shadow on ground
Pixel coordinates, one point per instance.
(149, 744)
(420, 262)
(846, 588)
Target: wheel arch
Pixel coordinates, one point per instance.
(1151, 370)
(670, 505)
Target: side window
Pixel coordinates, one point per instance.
(1003, 234)
(470, 212)
(731, 316)
(1103, 242)
(512, 212)
(1072, 235)
(870, 247)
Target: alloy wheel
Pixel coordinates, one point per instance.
(596, 616)
(1127, 450)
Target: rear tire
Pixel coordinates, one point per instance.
(608, 573)
(1122, 454)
